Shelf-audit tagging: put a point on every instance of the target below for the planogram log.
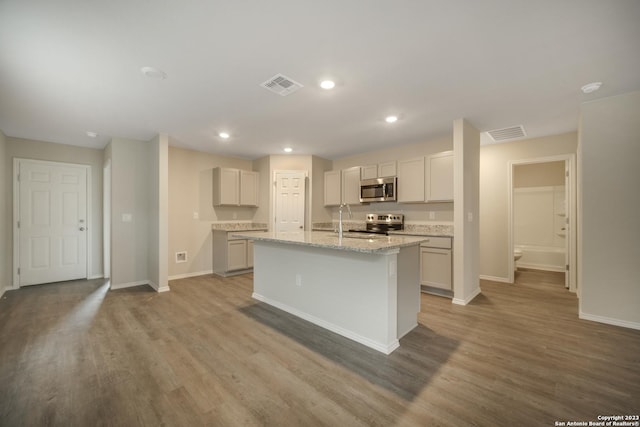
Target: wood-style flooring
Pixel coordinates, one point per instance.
(205, 353)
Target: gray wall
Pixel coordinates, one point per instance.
(609, 151)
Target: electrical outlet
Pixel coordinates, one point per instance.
(298, 280)
(181, 256)
(196, 215)
(432, 215)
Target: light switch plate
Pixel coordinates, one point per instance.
(127, 217)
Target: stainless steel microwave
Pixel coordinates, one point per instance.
(378, 190)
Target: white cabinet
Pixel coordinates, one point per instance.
(436, 267)
(387, 169)
(369, 172)
(439, 177)
(332, 188)
(231, 255)
(248, 188)
(381, 170)
(411, 180)
(235, 187)
(351, 186)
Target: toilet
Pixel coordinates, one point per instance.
(517, 254)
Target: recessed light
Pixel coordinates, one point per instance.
(391, 119)
(288, 150)
(92, 134)
(591, 87)
(327, 84)
(224, 135)
(153, 73)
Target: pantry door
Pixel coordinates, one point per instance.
(51, 227)
(290, 200)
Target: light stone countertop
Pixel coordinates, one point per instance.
(321, 239)
(238, 226)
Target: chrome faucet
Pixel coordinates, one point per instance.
(340, 218)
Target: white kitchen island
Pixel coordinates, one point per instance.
(367, 290)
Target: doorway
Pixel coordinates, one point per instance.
(289, 204)
(542, 216)
(51, 229)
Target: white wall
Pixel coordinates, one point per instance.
(190, 182)
(466, 148)
(130, 189)
(5, 218)
(609, 229)
(494, 195)
(158, 158)
(319, 213)
(39, 150)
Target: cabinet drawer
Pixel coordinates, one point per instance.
(437, 242)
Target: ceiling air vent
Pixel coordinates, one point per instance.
(282, 85)
(514, 132)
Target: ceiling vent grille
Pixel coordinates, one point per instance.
(282, 85)
(506, 134)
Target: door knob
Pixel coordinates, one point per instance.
(81, 228)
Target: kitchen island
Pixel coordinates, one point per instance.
(366, 288)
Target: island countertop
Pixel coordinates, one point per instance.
(354, 242)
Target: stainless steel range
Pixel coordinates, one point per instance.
(382, 223)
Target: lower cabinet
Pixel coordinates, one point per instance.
(231, 255)
(436, 269)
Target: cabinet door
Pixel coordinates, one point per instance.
(411, 180)
(369, 172)
(439, 177)
(351, 186)
(387, 169)
(248, 188)
(332, 190)
(226, 186)
(249, 253)
(435, 268)
(236, 254)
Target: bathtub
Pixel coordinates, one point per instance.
(547, 258)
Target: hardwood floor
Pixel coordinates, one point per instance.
(207, 354)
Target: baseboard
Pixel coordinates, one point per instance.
(386, 349)
(129, 285)
(468, 299)
(609, 320)
(187, 275)
(542, 267)
(157, 288)
(3, 289)
(96, 276)
(495, 279)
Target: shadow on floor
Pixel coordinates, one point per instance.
(405, 372)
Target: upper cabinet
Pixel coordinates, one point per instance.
(439, 177)
(235, 187)
(381, 170)
(411, 180)
(351, 186)
(332, 188)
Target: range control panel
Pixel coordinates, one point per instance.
(385, 218)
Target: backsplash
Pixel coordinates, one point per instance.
(238, 226)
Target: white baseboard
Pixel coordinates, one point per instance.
(543, 267)
(3, 289)
(96, 276)
(187, 275)
(495, 279)
(468, 299)
(386, 349)
(157, 288)
(608, 320)
(129, 285)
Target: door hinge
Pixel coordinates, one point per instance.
(18, 224)
(567, 267)
(18, 271)
(566, 173)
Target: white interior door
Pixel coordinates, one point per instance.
(52, 222)
(290, 200)
(567, 228)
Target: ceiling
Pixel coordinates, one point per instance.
(72, 66)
